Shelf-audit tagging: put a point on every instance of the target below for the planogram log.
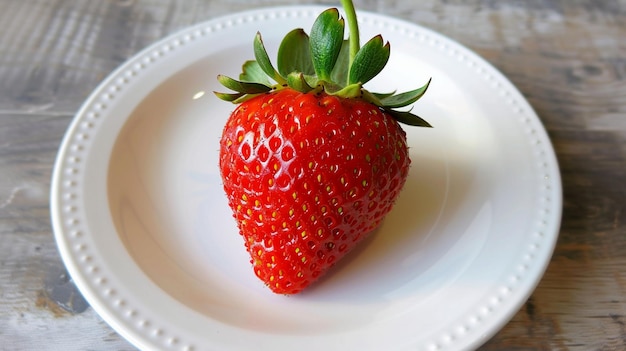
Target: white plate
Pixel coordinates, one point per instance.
(143, 225)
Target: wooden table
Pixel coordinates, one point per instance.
(567, 57)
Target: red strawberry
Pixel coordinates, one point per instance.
(312, 163)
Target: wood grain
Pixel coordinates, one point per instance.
(568, 58)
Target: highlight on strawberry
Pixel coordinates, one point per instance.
(311, 161)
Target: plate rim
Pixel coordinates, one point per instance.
(64, 218)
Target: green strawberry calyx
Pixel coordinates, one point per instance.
(323, 61)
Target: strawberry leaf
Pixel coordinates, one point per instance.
(297, 81)
(339, 74)
(294, 54)
(404, 99)
(408, 118)
(351, 91)
(242, 87)
(311, 80)
(369, 61)
(261, 56)
(228, 97)
(252, 72)
(371, 97)
(323, 61)
(326, 41)
(381, 96)
(244, 98)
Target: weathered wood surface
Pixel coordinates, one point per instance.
(567, 57)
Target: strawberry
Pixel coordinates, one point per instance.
(311, 161)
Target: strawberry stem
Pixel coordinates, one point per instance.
(353, 28)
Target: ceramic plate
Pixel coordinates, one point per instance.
(144, 229)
